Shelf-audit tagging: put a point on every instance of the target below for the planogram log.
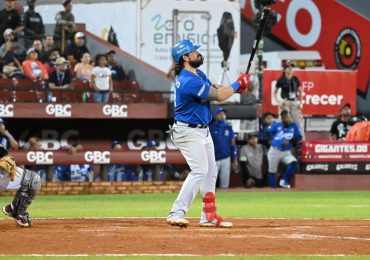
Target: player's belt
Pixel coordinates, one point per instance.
(190, 125)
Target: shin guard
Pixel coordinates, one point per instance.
(209, 208)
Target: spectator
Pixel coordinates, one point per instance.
(117, 71)
(77, 48)
(6, 138)
(65, 26)
(54, 54)
(101, 79)
(60, 78)
(48, 43)
(83, 70)
(341, 126)
(251, 162)
(33, 68)
(225, 147)
(41, 53)
(120, 172)
(10, 51)
(283, 135)
(291, 96)
(34, 28)
(267, 120)
(34, 142)
(9, 18)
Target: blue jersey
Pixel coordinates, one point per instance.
(222, 135)
(280, 134)
(191, 104)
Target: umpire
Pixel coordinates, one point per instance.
(291, 96)
(225, 147)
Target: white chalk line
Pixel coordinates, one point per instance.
(161, 255)
(123, 218)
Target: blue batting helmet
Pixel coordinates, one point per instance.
(182, 48)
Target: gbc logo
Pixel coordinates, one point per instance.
(153, 156)
(40, 157)
(347, 166)
(312, 167)
(58, 110)
(6, 110)
(115, 110)
(97, 157)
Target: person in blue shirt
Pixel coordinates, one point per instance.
(6, 138)
(223, 139)
(283, 136)
(267, 120)
(190, 133)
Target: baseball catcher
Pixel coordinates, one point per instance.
(25, 181)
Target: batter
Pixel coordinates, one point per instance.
(190, 133)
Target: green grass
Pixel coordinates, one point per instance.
(329, 205)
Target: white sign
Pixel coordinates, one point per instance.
(153, 156)
(40, 157)
(59, 110)
(97, 157)
(115, 110)
(144, 28)
(6, 110)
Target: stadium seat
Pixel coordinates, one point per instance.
(4, 95)
(124, 86)
(6, 83)
(67, 96)
(148, 97)
(26, 84)
(24, 96)
(81, 85)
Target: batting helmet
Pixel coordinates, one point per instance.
(182, 48)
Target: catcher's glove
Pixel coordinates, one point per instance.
(7, 163)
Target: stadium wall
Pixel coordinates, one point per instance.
(80, 188)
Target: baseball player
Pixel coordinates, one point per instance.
(224, 141)
(25, 181)
(283, 136)
(190, 133)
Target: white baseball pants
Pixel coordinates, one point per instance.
(5, 182)
(196, 146)
(223, 170)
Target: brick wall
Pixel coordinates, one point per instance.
(76, 188)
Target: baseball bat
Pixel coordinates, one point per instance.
(261, 28)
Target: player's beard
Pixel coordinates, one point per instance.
(198, 62)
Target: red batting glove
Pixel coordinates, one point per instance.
(243, 80)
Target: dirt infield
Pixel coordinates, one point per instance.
(154, 236)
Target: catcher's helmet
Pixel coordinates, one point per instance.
(182, 48)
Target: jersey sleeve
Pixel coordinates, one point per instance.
(196, 88)
(271, 128)
(232, 134)
(297, 132)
